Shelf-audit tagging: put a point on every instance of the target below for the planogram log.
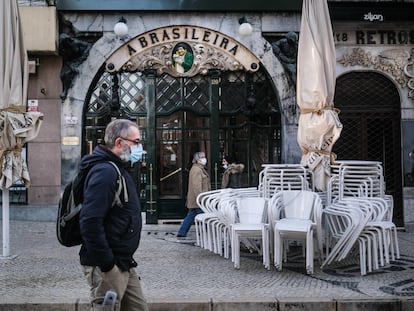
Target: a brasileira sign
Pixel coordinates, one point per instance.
(182, 51)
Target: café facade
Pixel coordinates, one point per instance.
(236, 96)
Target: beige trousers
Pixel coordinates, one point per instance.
(126, 284)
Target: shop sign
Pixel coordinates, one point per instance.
(157, 49)
(375, 37)
(70, 141)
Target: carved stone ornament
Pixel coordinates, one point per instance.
(164, 50)
(409, 71)
(160, 59)
(396, 62)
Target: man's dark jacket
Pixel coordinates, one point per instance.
(110, 234)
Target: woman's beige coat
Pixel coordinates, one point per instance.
(198, 182)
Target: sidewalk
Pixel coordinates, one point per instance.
(180, 276)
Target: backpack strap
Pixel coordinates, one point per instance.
(73, 211)
(121, 184)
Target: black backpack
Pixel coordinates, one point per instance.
(70, 204)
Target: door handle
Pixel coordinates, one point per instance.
(171, 174)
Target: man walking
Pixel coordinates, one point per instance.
(111, 233)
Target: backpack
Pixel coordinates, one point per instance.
(70, 204)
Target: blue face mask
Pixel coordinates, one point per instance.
(136, 153)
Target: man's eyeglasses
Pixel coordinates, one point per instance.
(134, 141)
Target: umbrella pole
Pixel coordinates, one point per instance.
(5, 214)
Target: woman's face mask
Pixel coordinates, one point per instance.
(203, 161)
(136, 153)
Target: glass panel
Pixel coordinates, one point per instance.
(179, 136)
(100, 97)
(132, 93)
(196, 94)
(233, 92)
(170, 156)
(196, 137)
(174, 93)
(252, 141)
(168, 97)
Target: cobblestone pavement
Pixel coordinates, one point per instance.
(43, 271)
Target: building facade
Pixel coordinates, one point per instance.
(234, 94)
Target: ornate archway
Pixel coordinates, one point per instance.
(259, 52)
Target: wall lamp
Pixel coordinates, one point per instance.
(245, 28)
(121, 28)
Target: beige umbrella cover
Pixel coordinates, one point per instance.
(319, 126)
(16, 125)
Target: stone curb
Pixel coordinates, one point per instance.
(247, 305)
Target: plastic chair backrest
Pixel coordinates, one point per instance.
(251, 210)
(298, 204)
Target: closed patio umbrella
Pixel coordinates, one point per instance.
(319, 126)
(16, 125)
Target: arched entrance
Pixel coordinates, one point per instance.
(219, 111)
(371, 118)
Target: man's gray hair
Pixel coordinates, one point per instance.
(117, 128)
(198, 155)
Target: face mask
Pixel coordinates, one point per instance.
(225, 166)
(136, 153)
(203, 161)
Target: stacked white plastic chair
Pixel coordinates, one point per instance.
(277, 177)
(352, 178)
(213, 226)
(345, 224)
(251, 218)
(296, 215)
(359, 213)
(226, 216)
(207, 201)
(353, 229)
(387, 230)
